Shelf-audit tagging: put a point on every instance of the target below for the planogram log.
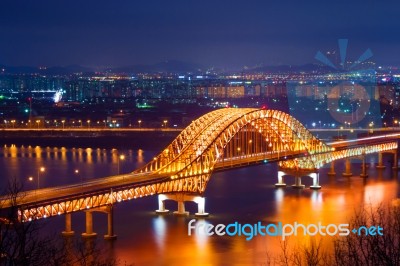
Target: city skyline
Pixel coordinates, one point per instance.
(225, 34)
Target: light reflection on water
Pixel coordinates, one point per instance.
(245, 195)
(60, 164)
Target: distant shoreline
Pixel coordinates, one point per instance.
(154, 140)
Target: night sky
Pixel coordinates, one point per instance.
(223, 33)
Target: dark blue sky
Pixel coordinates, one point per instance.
(225, 33)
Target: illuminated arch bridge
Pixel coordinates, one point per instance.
(219, 140)
(235, 137)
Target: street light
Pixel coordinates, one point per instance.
(38, 122)
(13, 122)
(249, 147)
(139, 122)
(80, 121)
(79, 175)
(165, 123)
(120, 158)
(63, 122)
(40, 170)
(88, 122)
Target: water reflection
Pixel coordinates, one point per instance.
(159, 227)
(60, 163)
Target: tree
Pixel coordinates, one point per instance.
(367, 249)
(26, 243)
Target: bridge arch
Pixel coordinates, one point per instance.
(220, 136)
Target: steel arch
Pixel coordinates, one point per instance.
(201, 145)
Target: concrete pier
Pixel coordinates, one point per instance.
(110, 224)
(315, 177)
(297, 182)
(380, 161)
(89, 226)
(281, 182)
(68, 226)
(180, 198)
(161, 204)
(332, 169)
(347, 171)
(363, 168)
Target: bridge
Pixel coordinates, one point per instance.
(220, 140)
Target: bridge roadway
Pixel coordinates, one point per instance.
(105, 184)
(117, 182)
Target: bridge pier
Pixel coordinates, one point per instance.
(315, 177)
(395, 161)
(347, 169)
(297, 182)
(380, 161)
(89, 226)
(110, 224)
(363, 167)
(201, 201)
(181, 208)
(332, 169)
(161, 204)
(281, 182)
(68, 226)
(181, 198)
